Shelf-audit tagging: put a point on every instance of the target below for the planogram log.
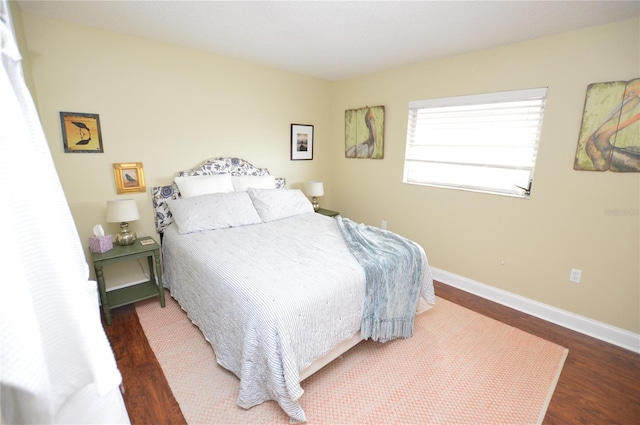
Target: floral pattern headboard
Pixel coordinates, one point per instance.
(233, 166)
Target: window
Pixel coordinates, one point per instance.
(485, 143)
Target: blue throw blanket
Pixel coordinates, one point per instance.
(395, 269)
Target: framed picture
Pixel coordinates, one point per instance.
(129, 177)
(301, 141)
(81, 132)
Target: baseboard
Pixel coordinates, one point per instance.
(584, 325)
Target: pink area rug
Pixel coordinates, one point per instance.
(459, 368)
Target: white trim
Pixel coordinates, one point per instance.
(584, 325)
(483, 98)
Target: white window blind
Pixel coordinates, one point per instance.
(485, 142)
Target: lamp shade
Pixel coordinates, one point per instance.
(315, 188)
(122, 210)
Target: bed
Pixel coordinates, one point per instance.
(278, 290)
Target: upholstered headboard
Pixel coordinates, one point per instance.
(233, 166)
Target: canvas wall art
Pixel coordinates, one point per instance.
(610, 131)
(364, 132)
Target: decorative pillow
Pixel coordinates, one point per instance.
(213, 211)
(204, 185)
(276, 204)
(242, 183)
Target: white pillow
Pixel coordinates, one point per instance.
(202, 185)
(242, 183)
(276, 204)
(213, 211)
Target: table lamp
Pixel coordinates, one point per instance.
(315, 189)
(122, 211)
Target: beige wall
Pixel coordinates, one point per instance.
(564, 225)
(168, 107)
(171, 108)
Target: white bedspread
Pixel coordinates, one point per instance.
(270, 298)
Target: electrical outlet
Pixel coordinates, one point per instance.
(383, 225)
(575, 275)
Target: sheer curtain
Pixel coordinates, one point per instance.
(56, 365)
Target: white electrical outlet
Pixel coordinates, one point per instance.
(575, 275)
(383, 225)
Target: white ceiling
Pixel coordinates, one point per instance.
(337, 40)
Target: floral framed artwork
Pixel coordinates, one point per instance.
(301, 141)
(81, 132)
(129, 177)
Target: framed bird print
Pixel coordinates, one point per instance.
(129, 177)
(81, 132)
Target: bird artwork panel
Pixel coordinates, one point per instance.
(364, 132)
(129, 177)
(81, 132)
(610, 131)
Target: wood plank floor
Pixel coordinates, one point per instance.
(599, 384)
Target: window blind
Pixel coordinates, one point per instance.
(485, 142)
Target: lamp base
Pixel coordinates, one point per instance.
(125, 237)
(316, 205)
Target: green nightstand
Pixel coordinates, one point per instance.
(327, 212)
(143, 247)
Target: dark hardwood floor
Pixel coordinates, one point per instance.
(599, 384)
(147, 395)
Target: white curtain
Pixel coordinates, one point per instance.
(56, 365)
